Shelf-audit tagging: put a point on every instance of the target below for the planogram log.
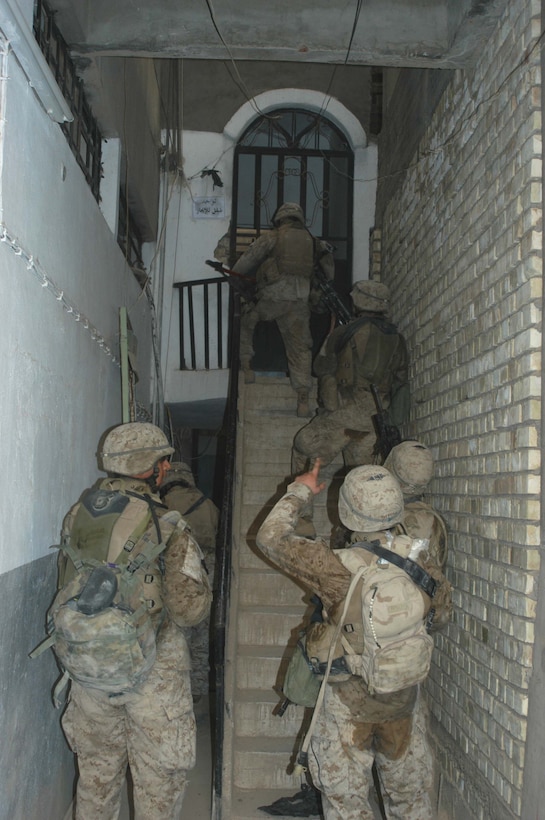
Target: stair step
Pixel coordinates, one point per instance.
(245, 805)
(258, 719)
(263, 762)
(268, 629)
(268, 588)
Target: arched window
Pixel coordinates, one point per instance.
(295, 155)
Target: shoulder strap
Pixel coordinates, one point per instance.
(418, 575)
(194, 506)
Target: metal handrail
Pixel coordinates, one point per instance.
(225, 534)
(197, 344)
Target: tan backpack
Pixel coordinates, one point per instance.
(379, 631)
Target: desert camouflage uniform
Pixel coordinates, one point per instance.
(283, 261)
(368, 350)
(202, 515)
(354, 728)
(151, 728)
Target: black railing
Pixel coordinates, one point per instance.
(82, 133)
(225, 538)
(204, 345)
(209, 313)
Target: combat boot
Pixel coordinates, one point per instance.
(303, 410)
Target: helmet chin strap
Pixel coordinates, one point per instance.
(151, 481)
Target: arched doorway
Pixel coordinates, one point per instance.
(293, 155)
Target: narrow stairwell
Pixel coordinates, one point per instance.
(267, 608)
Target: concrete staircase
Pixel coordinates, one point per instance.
(267, 608)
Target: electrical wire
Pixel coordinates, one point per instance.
(50, 286)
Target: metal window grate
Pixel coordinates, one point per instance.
(82, 133)
(128, 235)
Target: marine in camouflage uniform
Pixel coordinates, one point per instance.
(283, 261)
(150, 728)
(411, 462)
(368, 350)
(179, 492)
(355, 729)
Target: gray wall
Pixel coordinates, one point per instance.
(36, 767)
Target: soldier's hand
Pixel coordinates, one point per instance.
(311, 478)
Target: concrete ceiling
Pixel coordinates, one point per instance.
(399, 33)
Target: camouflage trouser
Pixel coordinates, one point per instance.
(198, 638)
(151, 729)
(348, 430)
(342, 752)
(292, 318)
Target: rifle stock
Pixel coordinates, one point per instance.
(388, 435)
(243, 285)
(331, 297)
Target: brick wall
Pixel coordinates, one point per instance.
(462, 253)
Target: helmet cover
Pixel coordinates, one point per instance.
(133, 448)
(289, 210)
(411, 462)
(370, 499)
(370, 295)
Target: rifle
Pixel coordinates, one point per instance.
(331, 298)
(388, 435)
(243, 285)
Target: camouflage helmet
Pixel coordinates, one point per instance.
(179, 471)
(370, 499)
(289, 210)
(412, 464)
(370, 295)
(133, 448)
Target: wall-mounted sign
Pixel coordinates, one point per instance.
(208, 207)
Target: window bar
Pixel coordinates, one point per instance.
(280, 179)
(191, 326)
(257, 197)
(220, 323)
(303, 185)
(206, 327)
(325, 210)
(181, 329)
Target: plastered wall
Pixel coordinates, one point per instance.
(63, 279)
(462, 253)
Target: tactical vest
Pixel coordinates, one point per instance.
(293, 256)
(359, 363)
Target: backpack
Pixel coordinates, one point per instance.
(381, 633)
(103, 621)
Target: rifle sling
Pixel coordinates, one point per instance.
(383, 325)
(418, 575)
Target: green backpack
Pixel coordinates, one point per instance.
(103, 621)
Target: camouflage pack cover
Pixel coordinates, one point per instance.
(383, 638)
(110, 646)
(385, 625)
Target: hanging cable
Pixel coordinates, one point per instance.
(48, 284)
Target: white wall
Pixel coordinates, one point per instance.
(60, 388)
(189, 241)
(62, 279)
